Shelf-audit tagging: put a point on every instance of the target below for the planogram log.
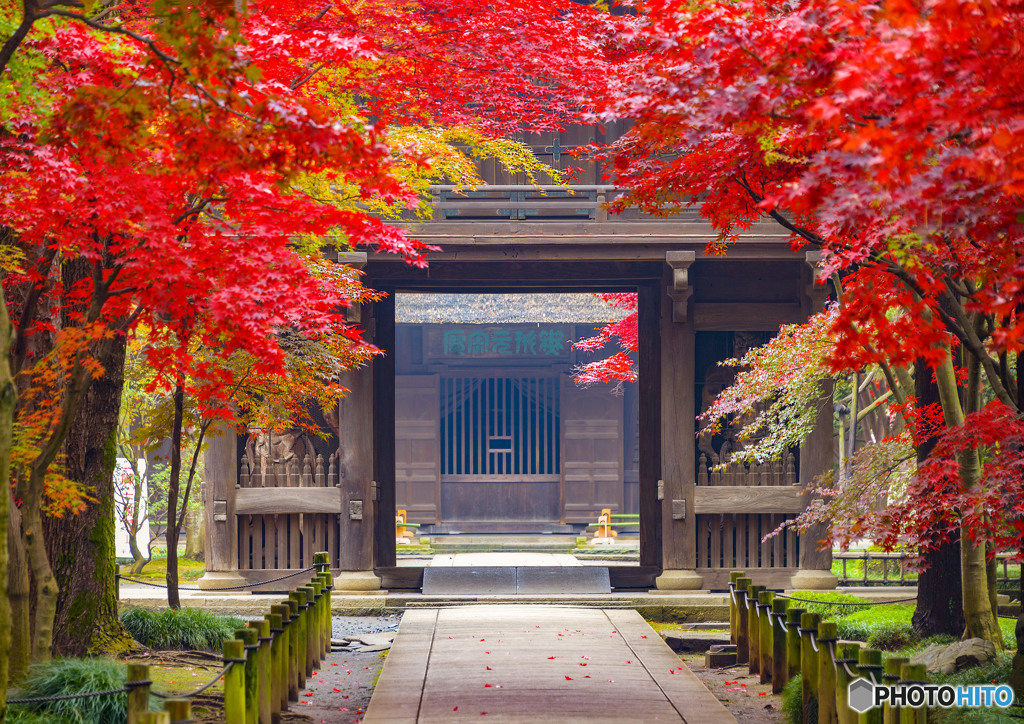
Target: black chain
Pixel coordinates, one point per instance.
(225, 588)
(65, 697)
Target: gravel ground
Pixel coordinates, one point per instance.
(340, 690)
(747, 700)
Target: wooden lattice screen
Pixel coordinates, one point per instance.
(736, 506)
(271, 535)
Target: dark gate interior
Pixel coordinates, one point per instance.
(502, 434)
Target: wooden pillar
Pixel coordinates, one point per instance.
(649, 421)
(220, 472)
(678, 446)
(816, 457)
(384, 430)
(356, 465)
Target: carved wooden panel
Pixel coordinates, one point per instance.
(417, 447)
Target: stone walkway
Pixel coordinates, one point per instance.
(535, 664)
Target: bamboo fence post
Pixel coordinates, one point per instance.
(764, 631)
(793, 640)
(278, 675)
(890, 713)
(156, 717)
(234, 682)
(847, 653)
(742, 621)
(869, 664)
(780, 666)
(328, 579)
(828, 675)
(262, 628)
(179, 711)
(733, 609)
(138, 692)
(252, 707)
(809, 663)
(913, 674)
(753, 631)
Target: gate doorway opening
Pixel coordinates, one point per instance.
(496, 446)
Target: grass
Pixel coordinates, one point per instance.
(834, 605)
(187, 629)
(156, 570)
(71, 676)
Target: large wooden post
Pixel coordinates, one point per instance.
(220, 473)
(816, 456)
(676, 491)
(356, 465)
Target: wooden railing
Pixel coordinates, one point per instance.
(897, 561)
(265, 665)
(539, 203)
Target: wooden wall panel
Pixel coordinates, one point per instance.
(592, 452)
(417, 448)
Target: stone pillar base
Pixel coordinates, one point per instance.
(813, 580)
(214, 580)
(346, 581)
(679, 580)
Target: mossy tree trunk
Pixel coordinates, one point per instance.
(8, 398)
(81, 547)
(979, 618)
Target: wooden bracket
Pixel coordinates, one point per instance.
(817, 290)
(680, 291)
(357, 260)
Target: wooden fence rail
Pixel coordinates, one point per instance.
(897, 561)
(265, 665)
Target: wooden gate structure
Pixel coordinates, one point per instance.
(697, 522)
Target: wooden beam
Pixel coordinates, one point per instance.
(267, 501)
(745, 316)
(748, 499)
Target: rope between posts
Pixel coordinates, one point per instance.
(846, 603)
(202, 688)
(66, 697)
(225, 588)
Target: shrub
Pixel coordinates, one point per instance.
(72, 676)
(832, 606)
(184, 629)
(998, 671)
(882, 627)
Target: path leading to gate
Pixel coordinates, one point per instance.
(534, 664)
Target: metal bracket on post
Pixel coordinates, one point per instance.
(355, 510)
(220, 511)
(680, 291)
(661, 490)
(373, 491)
(678, 510)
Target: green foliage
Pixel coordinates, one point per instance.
(184, 629)
(18, 715)
(792, 701)
(830, 608)
(882, 627)
(71, 676)
(996, 671)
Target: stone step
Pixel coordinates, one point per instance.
(511, 580)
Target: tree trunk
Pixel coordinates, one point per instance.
(8, 398)
(979, 618)
(940, 606)
(173, 529)
(18, 593)
(81, 547)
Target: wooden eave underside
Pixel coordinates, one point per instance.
(590, 241)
